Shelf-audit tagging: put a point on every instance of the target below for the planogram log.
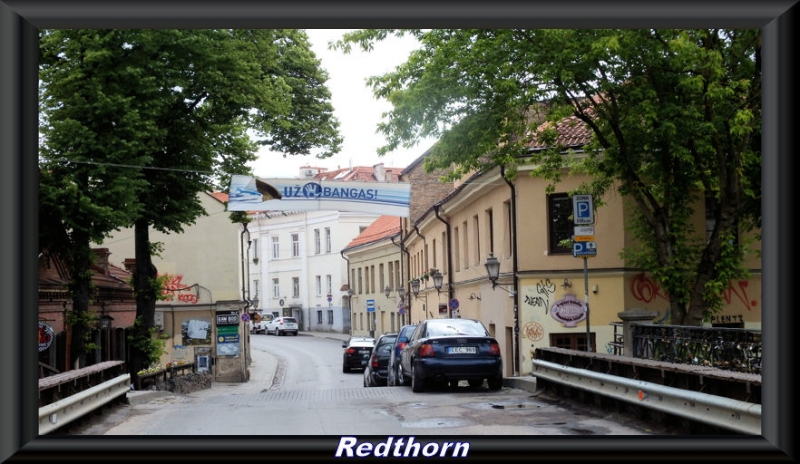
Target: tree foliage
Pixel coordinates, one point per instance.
(136, 123)
(675, 119)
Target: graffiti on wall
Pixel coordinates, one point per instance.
(174, 289)
(533, 331)
(543, 290)
(645, 289)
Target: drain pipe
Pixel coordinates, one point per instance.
(404, 249)
(514, 267)
(349, 292)
(436, 208)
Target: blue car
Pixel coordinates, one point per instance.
(394, 360)
(446, 351)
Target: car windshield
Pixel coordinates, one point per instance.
(443, 328)
(289, 319)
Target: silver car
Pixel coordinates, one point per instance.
(282, 326)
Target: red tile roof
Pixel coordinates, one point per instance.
(572, 132)
(383, 227)
(359, 173)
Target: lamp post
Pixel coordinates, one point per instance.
(386, 291)
(105, 326)
(437, 281)
(401, 293)
(493, 269)
(415, 287)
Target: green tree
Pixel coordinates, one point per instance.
(136, 123)
(675, 119)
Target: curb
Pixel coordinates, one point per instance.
(521, 383)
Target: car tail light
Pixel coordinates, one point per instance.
(494, 349)
(374, 361)
(426, 351)
(350, 351)
(401, 345)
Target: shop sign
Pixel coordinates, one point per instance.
(568, 310)
(46, 336)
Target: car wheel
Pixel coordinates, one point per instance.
(496, 383)
(475, 382)
(294, 334)
(278, 333)
(345, 370)
(390, 378)
(417, 385)
(400, 378)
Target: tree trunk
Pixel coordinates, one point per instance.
(144, 279)
(81, 281)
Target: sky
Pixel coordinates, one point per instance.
(357, 110)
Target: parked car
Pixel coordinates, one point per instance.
(447, 351)
(281, 326)
(356, 353)
(260, 325)
(375, 373)
(394, 359)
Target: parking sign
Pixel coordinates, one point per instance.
(582, 210)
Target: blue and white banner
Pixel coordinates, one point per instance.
(383, 198)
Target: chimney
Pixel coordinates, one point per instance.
(130, 264)
(102, 259)
(379, 172)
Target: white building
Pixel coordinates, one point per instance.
(295, 263)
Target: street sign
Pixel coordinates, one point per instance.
(582, 210)
(584, 249)
(583, 238)
(580, 231)
(454, 304)
(370, 306)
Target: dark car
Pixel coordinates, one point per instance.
(376, 371)
(394, 360)
(446, 351)
(356, 353)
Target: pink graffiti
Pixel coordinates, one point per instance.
(731, 291)
(644, 289)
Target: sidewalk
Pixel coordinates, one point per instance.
(264, 366)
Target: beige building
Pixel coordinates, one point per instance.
(541, 295)
(200, 316)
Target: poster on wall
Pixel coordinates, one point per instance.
(196, 331)
(46, 336)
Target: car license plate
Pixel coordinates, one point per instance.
(461, 350)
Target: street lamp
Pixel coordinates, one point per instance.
(493, 269)
(255, 303)
(386, 291)
(415, 287)
(437, 281)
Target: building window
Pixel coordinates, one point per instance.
(255, 248)
(508, 237)
(572, 341)
(329, 284)
(457, 248)
(319, 317)
(318, 282)
(476, 240)
(255, 288)
(276, 288)
(489, 231)
(559, 208)
(327, 240)
(295, 245)
(330, 317)
(295, 287)
(276, 248)
(317, 242)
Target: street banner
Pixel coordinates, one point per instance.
(248, 193)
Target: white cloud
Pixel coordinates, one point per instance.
(358, 111)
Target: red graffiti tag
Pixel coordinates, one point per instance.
(731, 291)
(644, 289)
(173, 287)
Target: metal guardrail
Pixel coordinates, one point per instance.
(66, 410)
(725, 413)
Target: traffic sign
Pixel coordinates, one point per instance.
(582, 210)
(454, 304)
(370, 306)
(584, 249)
(583, 238)
(580, 231)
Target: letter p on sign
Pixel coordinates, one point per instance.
(582, 209)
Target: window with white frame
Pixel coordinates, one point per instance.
(327, 240)
(318, 282)
(329, 284)
(255, 248)
(295, 287)
(295, 245)
(276, 288)
(317, 242)
(276, 247)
